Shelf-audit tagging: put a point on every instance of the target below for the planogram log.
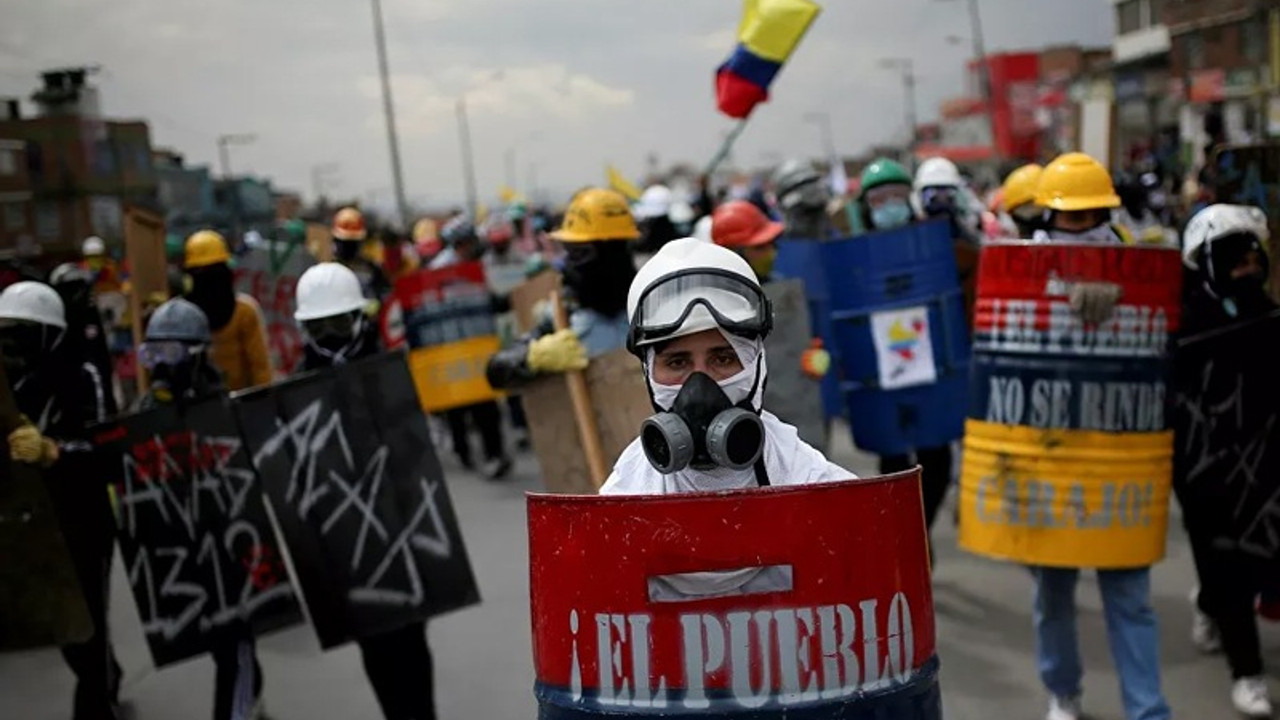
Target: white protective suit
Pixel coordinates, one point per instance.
(788, 459)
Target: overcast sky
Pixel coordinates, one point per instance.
(584, 81)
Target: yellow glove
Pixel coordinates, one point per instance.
(27, 445)
(560, 351)
(815, 362)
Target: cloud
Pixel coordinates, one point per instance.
(584, 82)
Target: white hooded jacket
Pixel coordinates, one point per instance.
(788, 460)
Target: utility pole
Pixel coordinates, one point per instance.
(509, 159)
(388, 110)
(907, 67)
(318, 175)
(468, 162)
(224, 155)
(823, 121)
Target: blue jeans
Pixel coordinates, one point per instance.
(1131, 632)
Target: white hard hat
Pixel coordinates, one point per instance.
(655, 201)
(93, 245)
(729, 285)
(34, 302)
(938, 172)
(1219, 221)
(681, 212)
(702, 229)
(326, 290)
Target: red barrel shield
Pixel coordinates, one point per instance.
(796, 602)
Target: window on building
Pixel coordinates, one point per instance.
(15, 216)
(1129, 16)
(48, 221)
(1195, 51)
(1155, 12)
(1253, 41)
(8, 162)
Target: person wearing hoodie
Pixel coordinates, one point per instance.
(335, 331)
(698, 320)
(239, 348)
(86, 337)
(59, 392)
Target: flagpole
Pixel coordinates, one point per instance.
(726, 146)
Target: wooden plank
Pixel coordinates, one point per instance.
(144, 235)
(620, 402)
(526, 296)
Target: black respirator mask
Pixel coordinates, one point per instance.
(347, 250)
(336, 336)
(703, 430)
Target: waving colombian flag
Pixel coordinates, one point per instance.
(769, 32)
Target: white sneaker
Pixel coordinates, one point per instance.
(1250, 697)
(1204, 633)
(1064, 708)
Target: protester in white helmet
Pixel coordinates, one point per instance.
(59, 393)
(331, 313)
(941, 192)
(653, 211)
(1225, 294)
(698, 323)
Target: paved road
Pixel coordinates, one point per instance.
(483, 655)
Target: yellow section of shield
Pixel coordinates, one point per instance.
(452, 375)
(1065, 498)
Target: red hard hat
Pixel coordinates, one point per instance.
(739, 224)
(348, 224)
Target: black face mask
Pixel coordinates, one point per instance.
(1243, 296)
(213, 290)
(600, 274)
(175, 383)
(24, 345)
(338, 337)
(346, 250)
(703, 430)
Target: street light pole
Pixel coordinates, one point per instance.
(984, 72)
(468, 162)
(388, 110)
(318, 175)
(823, 121)
(907, 66)
(224, 155)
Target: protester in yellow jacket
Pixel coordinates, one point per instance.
(239, 334)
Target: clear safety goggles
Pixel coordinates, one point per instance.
(154, 353)
(689, 301)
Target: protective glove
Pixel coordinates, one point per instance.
(27, 445)
(816, 361)
(1094, 302)
(561, 351)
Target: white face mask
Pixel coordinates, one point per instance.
(737, 387)
(1102, 233)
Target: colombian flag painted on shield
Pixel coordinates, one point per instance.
(769, 32)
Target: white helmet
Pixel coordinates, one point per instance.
(93, 246)
(938, 172)
(690, 286)
(654, 202)
(681, 212)
(1218, 221)
(326, 290)
(702, 229)
(34, 302)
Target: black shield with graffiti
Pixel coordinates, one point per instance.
(360, 498)
(1227, 424)
(201, 555)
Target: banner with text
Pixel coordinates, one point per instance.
(729, 605)
(446, 318)
(360, 498)
(197, 544)
(1068, 448)
(1227, 420)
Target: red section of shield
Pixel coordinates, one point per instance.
(424, 287)
(858, 557)
(1022, 270)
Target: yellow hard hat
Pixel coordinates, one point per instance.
(1020, 187)
(1075, 181)
(597, 214)
(205, 248)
